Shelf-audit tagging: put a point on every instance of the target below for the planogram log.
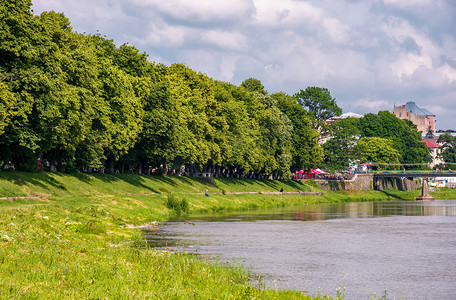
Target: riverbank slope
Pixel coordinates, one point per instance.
(76, 236)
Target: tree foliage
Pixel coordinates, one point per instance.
(78, 101)
(377, 150)
(319, 104)
(254, 85)
(448, 149)
(340, 148)
(403, 133)
(306, 151)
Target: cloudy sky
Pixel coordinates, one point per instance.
(369, 54)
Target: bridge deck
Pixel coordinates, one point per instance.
(415, 174)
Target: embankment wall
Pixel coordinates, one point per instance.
(401, 184)
(367, 182)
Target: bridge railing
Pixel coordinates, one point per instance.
(414, 171)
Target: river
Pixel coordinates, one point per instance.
(406, 248)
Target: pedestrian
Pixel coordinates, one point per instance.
(207, 193)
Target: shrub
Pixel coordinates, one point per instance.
(179, 206)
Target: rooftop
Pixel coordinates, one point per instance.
(431, 144)
(412, 107)
(344, 116)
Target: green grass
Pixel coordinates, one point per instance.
(78, 239)
(47, 254)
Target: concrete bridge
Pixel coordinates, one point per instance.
(415, 173)
(425, 174)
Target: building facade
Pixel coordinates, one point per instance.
(421, 117)
(434, 151)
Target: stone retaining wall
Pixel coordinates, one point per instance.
(361, 182)
(366, 182)
(401, 184)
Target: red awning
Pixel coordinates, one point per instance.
(313, 171)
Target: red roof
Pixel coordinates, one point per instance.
(430, 144)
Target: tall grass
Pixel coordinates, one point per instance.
(51, 252)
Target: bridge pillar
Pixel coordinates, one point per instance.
(425, 192)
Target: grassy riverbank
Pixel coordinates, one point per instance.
(76, 236)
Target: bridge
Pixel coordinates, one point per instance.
(425, 174)
(415, 173)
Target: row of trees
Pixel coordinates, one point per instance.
(77, 101)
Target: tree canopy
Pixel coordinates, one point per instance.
(448, 149)
(377, 150)
(306, 151)
(340, 148)
(403, 133)
(78, 101)
(349, 140)
(319, 104)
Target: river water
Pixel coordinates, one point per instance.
(406, 248)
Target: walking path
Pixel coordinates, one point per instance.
(24, 197)
(267, 193)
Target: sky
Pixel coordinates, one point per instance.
(370, 55)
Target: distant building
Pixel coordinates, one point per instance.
(434, 150)
(421, 117)
(343, 116)
(324, 138)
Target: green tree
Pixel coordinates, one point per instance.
(199, 136)
(275, 128)
(306, 152)
(71, 99)
(448, 150)
(244, 137)
(254, 85)
(406, 138)
(378, 150)
(7, 103)
(319, 104)
(340, 148)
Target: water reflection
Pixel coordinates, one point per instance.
(406, 248)
(328, 211)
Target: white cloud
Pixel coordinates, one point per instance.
(336, 30)
(163, 35)
(408, 63)
(372, 105)
(225, 40)
(411, 3)
(286, 13)
(198, 10)
(448, 72)
(399, 30)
